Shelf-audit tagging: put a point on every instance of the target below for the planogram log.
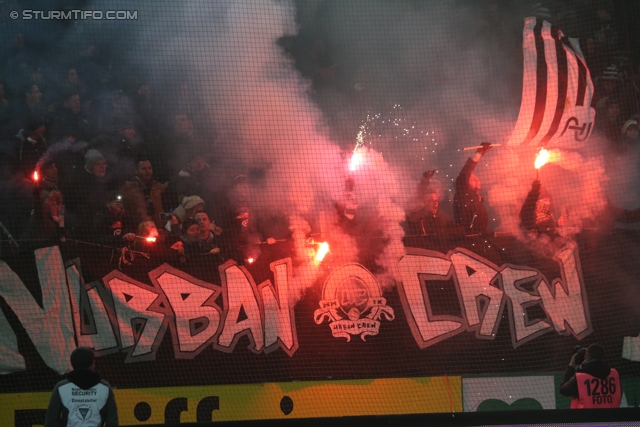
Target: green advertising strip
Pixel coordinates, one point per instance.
(483, 393)
(305, 399)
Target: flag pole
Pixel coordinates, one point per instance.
(475, 147)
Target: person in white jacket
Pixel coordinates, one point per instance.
(83, 398)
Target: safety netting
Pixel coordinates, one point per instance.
(295, 209)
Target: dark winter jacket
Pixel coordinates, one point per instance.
(468, 209)
(597, 368)
(423, 223)
(85, 200)
(28, 153)
(528, 215)
(199, 247)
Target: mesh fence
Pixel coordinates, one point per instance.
(253, 210)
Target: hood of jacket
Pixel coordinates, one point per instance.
(84, 378)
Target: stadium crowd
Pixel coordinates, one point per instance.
(95, 146)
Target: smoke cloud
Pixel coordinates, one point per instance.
(283, 88)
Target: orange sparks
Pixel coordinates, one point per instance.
(542, 158)
(36, 176)
(322, 252)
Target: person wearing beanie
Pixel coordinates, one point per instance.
(608, 86)
(207, 244)
(83, 398)
(94, 163)
(540, 11)
(188, 208)
(189, 241)
(629, 136)
(630, 130)
(611, 73)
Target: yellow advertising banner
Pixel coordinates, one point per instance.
(305, 399)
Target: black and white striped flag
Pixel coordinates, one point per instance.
(556, 90)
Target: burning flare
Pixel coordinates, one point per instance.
(356, 159)
(36, 176)
(250, 260)
(542, 158)
(151, 239)
(322, 252)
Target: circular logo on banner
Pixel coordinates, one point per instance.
(353, 303)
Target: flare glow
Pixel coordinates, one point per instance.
(36, 176)
(542, 158)
(322, 252)
(356, 159)
(151, 239)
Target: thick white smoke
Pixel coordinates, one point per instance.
(456, 75)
